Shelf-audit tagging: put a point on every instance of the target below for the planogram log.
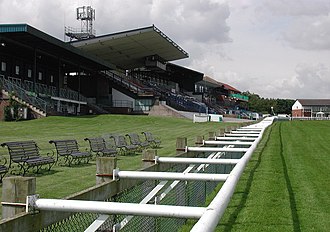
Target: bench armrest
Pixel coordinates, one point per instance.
(3, 160)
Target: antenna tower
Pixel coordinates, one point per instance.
(86, 15)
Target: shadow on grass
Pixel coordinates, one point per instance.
(42, 172)
(232, 219)
(293, 205)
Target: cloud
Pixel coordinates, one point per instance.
(303, 24)
(195, 20)
(309, 33)
(309, 81)
(295, 8)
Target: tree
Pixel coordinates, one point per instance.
(263, 105)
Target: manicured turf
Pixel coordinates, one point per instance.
(63, 181)
(286, 185)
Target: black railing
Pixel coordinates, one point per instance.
(129, 84)
(26, 96)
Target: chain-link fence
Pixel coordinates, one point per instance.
(184, 193)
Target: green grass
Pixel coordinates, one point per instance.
(285, 186)
(63, 181)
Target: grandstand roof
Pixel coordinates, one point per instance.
(314, 102)
(31, 38)
(213, 83)
(128, 49)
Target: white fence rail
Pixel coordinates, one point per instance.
(208, 216)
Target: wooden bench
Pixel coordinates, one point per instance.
(3, 167)
(98, 146)
(135, 140)
(26, 155)
(155, 142)
(123, 146)
(69, 151)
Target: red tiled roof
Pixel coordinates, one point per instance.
(220, 84)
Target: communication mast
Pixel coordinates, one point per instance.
(86, 15)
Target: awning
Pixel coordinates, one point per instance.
(128, 49)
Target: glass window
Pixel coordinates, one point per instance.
(51, 78)
(3, 66)
(40, 76)
(29, 74)
(17, 70)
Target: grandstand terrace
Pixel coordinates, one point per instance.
(123, 72)
(224, 98)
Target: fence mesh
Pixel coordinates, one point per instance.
(185, 193)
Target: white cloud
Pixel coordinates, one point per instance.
(295, 8)
(199, 21)
(310, 33)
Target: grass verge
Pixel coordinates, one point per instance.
(63, 181)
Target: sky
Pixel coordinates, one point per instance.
(274, 48)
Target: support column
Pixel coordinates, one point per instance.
(212, 135)
(221, 132)
(148, 157)
(181, 144)
(104, 169)
(15, 189)
(199, 140)
(34, 73)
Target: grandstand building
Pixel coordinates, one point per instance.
(221, 97)
(121, 72)
(314, 108)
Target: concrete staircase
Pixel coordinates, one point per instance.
(28, 105)
(165, 111)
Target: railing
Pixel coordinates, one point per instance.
(185, 104)
(47, 90)
(122, 103)
(179, 193)
(22, 94)
(239, 96)
(310, 118)
(40, 88)
(129, 84)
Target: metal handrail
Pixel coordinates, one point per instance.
(122, 103)
(24, 95)
(127, 83)
(71, 94)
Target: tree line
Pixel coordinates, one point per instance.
(265, 105)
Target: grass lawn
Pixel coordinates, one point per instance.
(63, 181)
(286, 185)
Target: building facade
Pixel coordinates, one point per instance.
(311, 108)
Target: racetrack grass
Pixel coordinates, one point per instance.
(286, 185)
(62, 181)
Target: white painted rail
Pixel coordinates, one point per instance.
(141, 175)
(208, 216)
(194, 160)
(234, 138)
(214, 142)
(118, 208)
(217, 207)
(216, 149)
